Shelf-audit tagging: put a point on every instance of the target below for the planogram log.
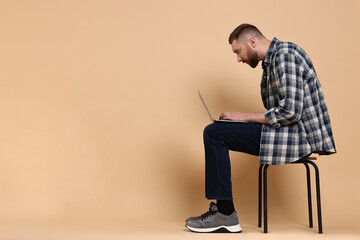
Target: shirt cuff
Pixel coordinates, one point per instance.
(271, 117)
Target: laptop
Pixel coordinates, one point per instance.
(211, 117)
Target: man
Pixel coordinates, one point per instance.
(296, 122)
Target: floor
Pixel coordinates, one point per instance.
(159, 231)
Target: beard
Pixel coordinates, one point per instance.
(253, 59)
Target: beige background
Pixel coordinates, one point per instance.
(101, 124)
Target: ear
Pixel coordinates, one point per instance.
(252, 42)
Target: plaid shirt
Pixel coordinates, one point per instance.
(296, 109)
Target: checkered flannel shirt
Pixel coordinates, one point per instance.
(296, 108)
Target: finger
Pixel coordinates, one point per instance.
(228, 118)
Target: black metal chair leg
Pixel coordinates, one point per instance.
(263, 180)
(309, 194)
(260, 195)
(317, 177)
(265, 199)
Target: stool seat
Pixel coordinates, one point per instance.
(263, 180)
(310, 158)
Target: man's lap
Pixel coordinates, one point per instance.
(242, 137)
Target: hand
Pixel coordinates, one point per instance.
(234, 116)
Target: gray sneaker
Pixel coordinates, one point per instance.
(212, 204)
(213, 221)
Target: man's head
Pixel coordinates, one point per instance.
(247, 43)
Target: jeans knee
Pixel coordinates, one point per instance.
(209, 131)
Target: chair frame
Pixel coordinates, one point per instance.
(263, 180)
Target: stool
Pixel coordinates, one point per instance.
(263, 176)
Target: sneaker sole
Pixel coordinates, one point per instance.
(220, 229)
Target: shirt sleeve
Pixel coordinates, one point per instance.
(288, 84)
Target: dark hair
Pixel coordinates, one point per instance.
(242, 29)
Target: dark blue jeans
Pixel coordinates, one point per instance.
(219, 138)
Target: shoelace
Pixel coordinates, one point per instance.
(206, 215)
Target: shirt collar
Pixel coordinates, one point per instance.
(269, 53)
